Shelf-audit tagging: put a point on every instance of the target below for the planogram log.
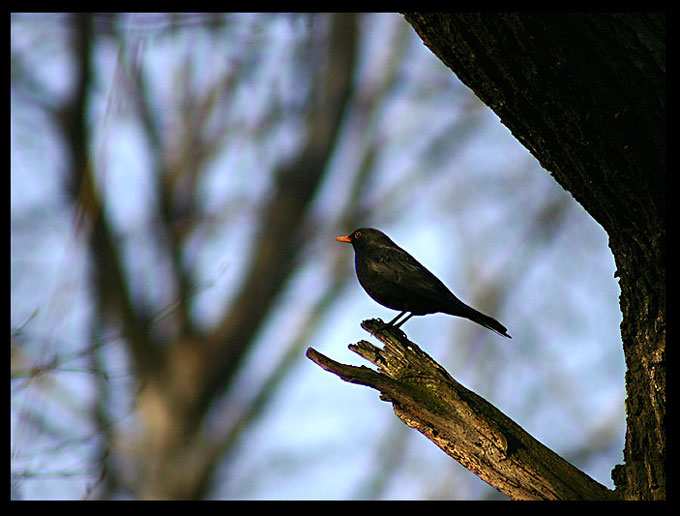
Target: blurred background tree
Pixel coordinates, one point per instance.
(176, 184)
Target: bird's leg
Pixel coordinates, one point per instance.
(402, 321)
(391, 323)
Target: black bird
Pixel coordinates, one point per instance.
(395, 279)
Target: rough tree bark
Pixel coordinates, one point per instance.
(585, 93)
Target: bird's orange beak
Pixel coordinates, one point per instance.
(344, 239)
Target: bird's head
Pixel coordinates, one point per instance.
(363, 237)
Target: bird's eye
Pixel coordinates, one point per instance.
(357, 234)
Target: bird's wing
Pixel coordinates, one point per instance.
(398, 267)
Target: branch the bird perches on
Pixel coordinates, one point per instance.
(463, 424)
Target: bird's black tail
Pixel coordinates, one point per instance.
(484, 320)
